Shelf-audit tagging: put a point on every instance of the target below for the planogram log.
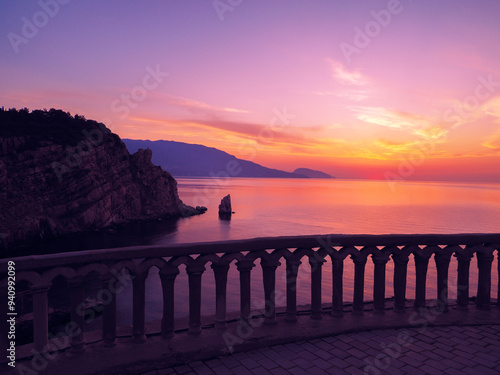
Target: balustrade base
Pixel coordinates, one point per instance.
(78, 349)
(167, 335)
(270, 321)
(109, 344)
(140, 339)
(221, 325)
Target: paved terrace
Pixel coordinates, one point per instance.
(449, 350)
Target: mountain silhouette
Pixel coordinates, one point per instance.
(311, 173)
(193, 160)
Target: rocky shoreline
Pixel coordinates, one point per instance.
(63, 174)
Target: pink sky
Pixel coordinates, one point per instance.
(286, 84)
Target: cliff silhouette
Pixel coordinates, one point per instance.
(63, 174)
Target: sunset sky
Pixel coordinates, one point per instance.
(365, 89)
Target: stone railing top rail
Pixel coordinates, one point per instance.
(310, 241)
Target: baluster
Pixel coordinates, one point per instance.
(421, 266)
(484, 262)
(337, 276)
(292, 268)
(463, 257)
(77, 314)
(220, 274)
(316, 263)
(40, 317)
(442, 259)
(194, 272)
(244, 267)
(109, 312)
(359, 284)
(167, 276)
(269, 278)
(380, 259)
(399, 282)
(139, 307)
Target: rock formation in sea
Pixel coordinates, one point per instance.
(61, 174)
(225, 208)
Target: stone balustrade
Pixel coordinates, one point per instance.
(40, 270)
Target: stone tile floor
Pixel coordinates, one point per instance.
(424, 350)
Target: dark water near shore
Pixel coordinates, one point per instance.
(279, 207)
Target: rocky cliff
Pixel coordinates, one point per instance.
(61, 174)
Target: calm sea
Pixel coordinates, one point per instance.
(277, 207)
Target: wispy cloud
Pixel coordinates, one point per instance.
(346, 77)
(432, 132)
(351, 85)
(396, 146)
(459, 114)
(388, 117)
(252, 131)
(493, 142)
(259, 133)
(411, 124)
(492, 108)
(197, 105)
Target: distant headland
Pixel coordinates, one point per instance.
(194, 160)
